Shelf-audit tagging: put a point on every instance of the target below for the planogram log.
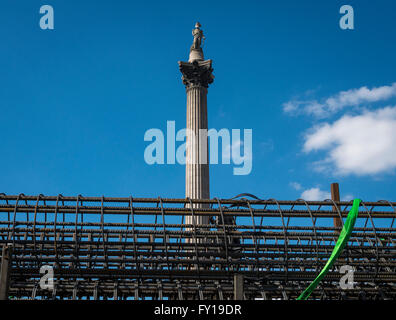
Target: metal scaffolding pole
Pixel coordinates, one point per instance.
(238, 286)
(6, 260)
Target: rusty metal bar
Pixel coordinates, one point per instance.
(238, 286)
(335, 196)
(6, 260)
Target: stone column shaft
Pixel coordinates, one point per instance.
(197, 165)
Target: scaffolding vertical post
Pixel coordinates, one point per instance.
(335, 196)
(6, 257)
(238, 286)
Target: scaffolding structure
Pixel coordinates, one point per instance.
(141, 248)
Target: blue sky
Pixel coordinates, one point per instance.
(76, 101)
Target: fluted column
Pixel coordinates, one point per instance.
(197, 166)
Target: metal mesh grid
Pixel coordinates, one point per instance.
(121, 248)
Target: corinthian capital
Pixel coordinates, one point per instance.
(196, 73)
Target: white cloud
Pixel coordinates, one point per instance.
(349, 98)
(347, 197)
(296, 186)
(315, 194)
(360, 145)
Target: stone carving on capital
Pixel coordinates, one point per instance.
(197, 73)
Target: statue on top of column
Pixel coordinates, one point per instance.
(198, 37)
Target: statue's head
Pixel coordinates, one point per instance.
(197, 25)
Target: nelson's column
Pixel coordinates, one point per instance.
(196, 76)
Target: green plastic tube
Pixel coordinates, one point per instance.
(339, 246)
